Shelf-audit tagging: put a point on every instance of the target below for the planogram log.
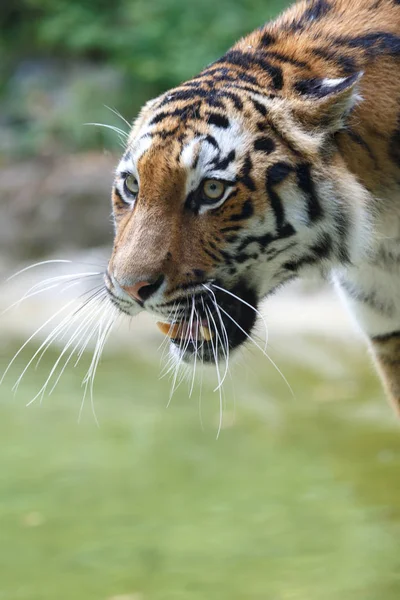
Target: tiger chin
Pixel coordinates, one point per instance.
(280, 158)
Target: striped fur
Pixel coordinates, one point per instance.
(301, 122)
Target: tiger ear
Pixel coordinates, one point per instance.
(327, 102)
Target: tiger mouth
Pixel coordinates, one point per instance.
(184, 330)
(222, 322)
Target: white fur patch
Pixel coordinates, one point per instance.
(141, 147)
(233, 138)
(331, 83)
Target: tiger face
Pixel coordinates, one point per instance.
(221, 197)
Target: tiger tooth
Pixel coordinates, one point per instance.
(171, 330)
(206, 333)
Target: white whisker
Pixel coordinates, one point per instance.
(118, 114)
(201, 388)
(62, 327)
(183, 342)
(246, 304)
(61, 330)
(43, 389)
(226, 339)
(117, 130)
(102, 337)
(47, 285)
(195, 342)
(260, 348)
(32, 336)
(38, 264)
(86, 328)
(215, 352)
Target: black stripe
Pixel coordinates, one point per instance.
(370, 299)
(195, 162)
(262, 240)
(237, 102)
(189, 94)
(210, 254)
(259, 107)
(231, 239)
(282, 138)
(272, 253)
(193, 84)
(316, 10)
(323, 247)
(306, 184)
(246, 213)
(165, 134)
(160, 117)
(199, 273)
(118, 194)
(386, 337)
(191, 202)
(241, 258)
(211, 140)
(224, 163)
(267, 39)
(257, 89)
(274, 176)
(217, 120)
(294, 265)
(248, 60)
(286, 231)
(264, 144)
(379, 42)
(347, 64)
(357, 139)
(321, 250)
(183, 112)
(213, 246)
(245, 176)
(286, 59)
(229, 259)
(221, 73)
(232, 228)
(342, 227)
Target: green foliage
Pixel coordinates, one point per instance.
(150, 45)
(160, 41)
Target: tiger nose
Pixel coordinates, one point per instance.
(142, 290)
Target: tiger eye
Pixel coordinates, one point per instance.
(213, 189)
(131, 185)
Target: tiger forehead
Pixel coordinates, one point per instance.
(206, 147)
(213, 148)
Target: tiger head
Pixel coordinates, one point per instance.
(229, 186)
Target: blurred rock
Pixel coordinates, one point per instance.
(49, 206)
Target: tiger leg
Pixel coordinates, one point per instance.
(377, 312)
(386, 350)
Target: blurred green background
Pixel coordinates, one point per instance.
(299, 498)
(62, 60)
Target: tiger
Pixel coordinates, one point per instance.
(279, 160)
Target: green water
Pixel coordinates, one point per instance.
(298, 499)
